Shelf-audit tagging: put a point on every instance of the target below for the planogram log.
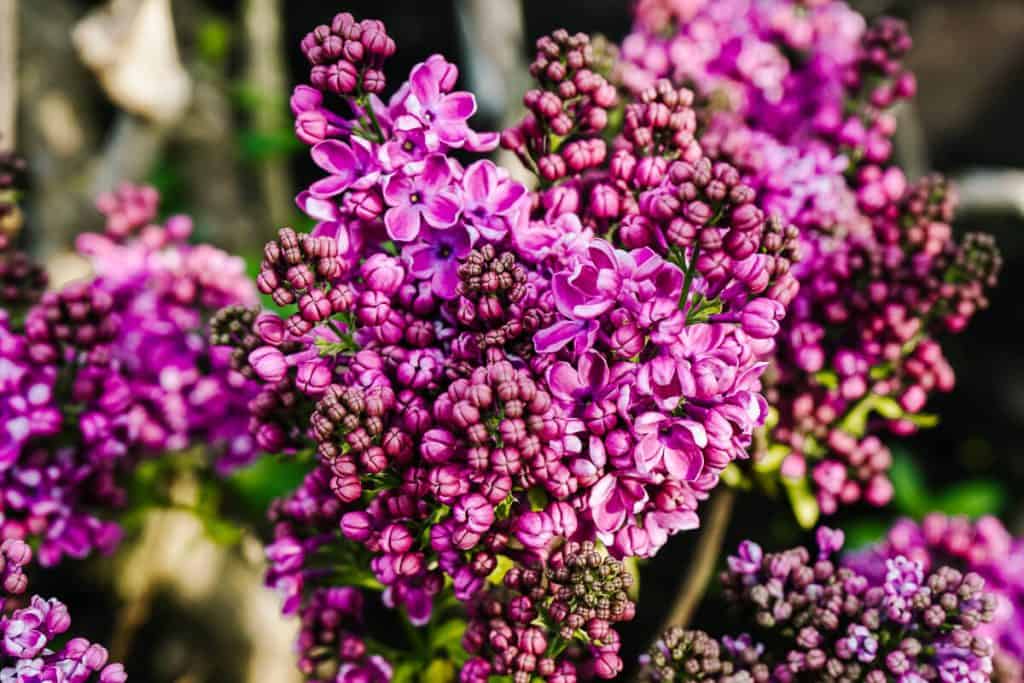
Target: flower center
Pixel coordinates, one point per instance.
(415, 198)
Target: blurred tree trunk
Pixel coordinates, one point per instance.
(60, 130)
(8, 73)
(266, 74)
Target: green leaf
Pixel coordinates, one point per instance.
(405, 672)
(439, 671)
(861, 533)
(733, 476)
(827, 378)
(266, 479)
(973, 498)
(772, 459)
(498, 575)
(889, 408)
(911, 496)
(802, 501)
(448, 636)
(922, 420)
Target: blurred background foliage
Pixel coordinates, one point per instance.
(187, 605)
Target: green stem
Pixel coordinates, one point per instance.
(691, 269)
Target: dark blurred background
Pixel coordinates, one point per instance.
(226, 154)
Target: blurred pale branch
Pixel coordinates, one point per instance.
(266, 73)
(8, 73)
(992, 190)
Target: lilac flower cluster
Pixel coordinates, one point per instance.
(822, 622)
(804, 92)
(164, 292)
(112, 369)
(551, 622)
(488, 372)
(984, 547)
(29, 632)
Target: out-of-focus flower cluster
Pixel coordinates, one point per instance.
(109, 370)
(984, 547)
(31, 630)
(165, 291)
(812, 619)
(801, 94)
(13, 181)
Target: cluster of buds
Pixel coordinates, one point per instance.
(330, 642)
(348, 56)
(22, 280)
(233, 327)
(496, 298)
(682, 656)
(832, 623)
(661, 121)
(128, 209)
(983, 546)
(663, 190)
(81, 316)
(863, 341)
(553, 621)
(862, 125)
(298, 268)
(349, 423)
(568, 111)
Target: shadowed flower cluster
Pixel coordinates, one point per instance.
(31, 633)
(814, 620)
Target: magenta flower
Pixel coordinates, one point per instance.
(442, 114)
(613, 500)
(671, 445)
(436, 257)
(490, 198)
(583, 383)
(592, 287)
(422, 197)
(342, 165)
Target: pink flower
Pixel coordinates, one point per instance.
(613, 500)
(671, 445)
(441, 113)
(436, 257)
(490, 198)
(346, 165)
(424, 196)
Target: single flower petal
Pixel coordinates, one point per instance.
(441, 210)
(457, 106)
(336, 158)
(436, 173)
(402, 223)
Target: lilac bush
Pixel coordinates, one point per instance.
(507, 392)
(716, 259)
